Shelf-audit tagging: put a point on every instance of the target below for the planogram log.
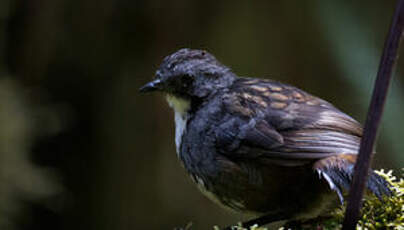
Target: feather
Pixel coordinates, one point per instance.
(280, 122)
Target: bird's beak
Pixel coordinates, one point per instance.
(151, 86)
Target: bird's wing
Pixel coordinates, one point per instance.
(281, 123)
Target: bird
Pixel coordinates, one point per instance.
(259, 146)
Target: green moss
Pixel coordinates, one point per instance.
(382, 214)
(387, 213)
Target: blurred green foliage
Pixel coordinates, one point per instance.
(103, 156)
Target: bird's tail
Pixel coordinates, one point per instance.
(338, 172)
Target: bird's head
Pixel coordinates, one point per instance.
(189, 74)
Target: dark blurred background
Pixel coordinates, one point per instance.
(80, 148)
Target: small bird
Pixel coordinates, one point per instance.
(256, 145)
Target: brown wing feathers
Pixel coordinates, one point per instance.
(283, 121)
(288, 127)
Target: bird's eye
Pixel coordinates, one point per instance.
(186, 80)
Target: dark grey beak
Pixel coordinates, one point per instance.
(151, 86)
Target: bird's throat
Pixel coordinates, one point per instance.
(180, 105)
(181, 108)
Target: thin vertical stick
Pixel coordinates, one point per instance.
(373, 118)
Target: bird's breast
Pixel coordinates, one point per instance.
(180, 127)
(227, 203)
(181, 107)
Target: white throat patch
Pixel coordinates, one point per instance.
(181, 108)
